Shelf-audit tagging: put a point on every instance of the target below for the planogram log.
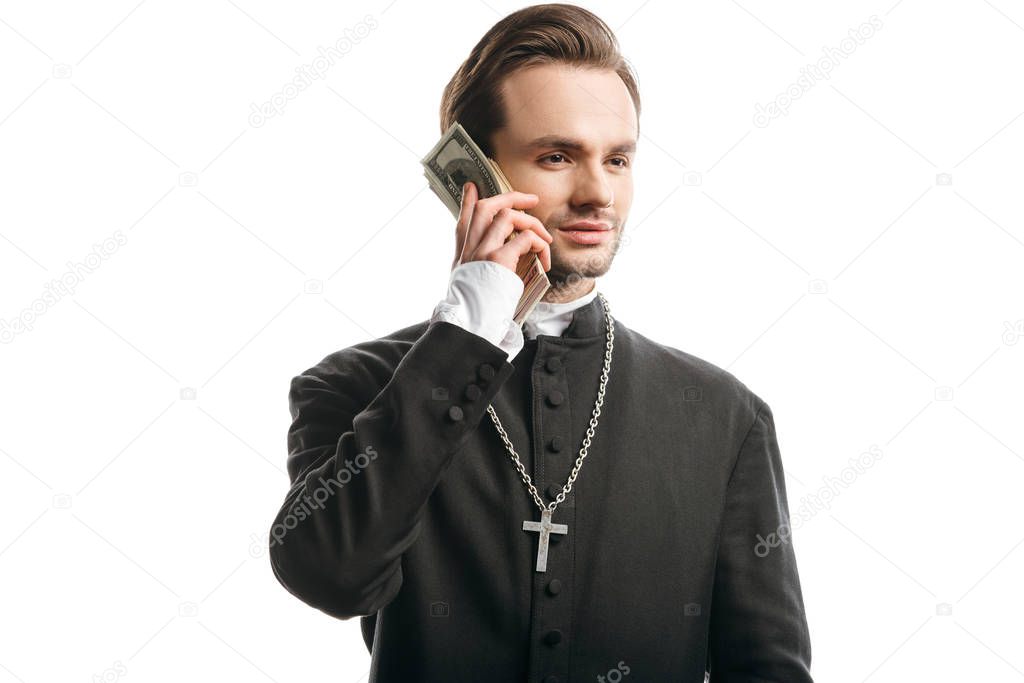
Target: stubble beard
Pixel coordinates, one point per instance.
(574, 265)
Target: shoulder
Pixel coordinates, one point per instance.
(689, 380)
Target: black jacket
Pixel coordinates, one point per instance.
(406, 509)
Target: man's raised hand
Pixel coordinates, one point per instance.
(484, 225)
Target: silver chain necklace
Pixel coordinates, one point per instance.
(545, 527)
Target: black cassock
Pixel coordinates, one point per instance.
(406, 509)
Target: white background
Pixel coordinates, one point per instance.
(823, 259)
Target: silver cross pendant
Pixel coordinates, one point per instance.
(546, 528)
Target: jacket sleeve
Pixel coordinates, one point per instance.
(362, 469)
(758, 630)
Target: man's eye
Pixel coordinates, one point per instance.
(552, 156)
(625, 161)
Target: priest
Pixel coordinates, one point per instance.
(567, 500)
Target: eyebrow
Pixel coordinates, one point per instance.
(569, 143)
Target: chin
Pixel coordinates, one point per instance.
(593, 263)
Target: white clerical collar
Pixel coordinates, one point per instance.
(552, 318)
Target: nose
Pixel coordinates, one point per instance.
(592, 187)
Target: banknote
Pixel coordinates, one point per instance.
(456, 160)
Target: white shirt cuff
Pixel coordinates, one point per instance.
(482, 298)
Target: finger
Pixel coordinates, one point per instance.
(545, 257)
(538, 226)
(505, 222)
(465, 216)
(486, 209)
(542, 250)
(525, 242)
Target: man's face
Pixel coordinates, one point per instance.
(570, 139)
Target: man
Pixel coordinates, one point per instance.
(604, 522)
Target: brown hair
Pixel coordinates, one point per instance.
(540, 34)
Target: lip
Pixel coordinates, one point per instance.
(587, 235)
(586, 225)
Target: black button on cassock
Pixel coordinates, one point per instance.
(455, 413)
(554, 364)
(486, 372)
(553, 491)
(554, 587)
(553, 637)
(473, 392)
(555, 397)
(556, 443)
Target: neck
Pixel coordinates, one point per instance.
(563, 292)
